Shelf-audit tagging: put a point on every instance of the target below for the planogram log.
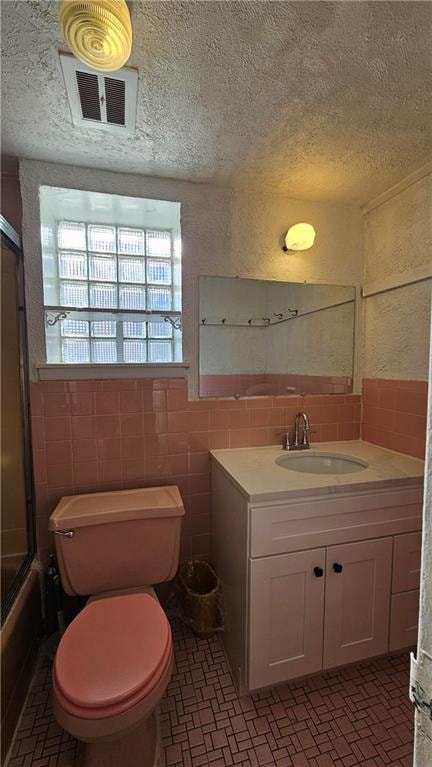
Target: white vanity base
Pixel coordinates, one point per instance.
(315, 577)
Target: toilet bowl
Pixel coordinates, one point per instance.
(115, 659)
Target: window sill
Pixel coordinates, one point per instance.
(66, 372)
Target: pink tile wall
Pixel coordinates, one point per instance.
(394, 414)
(102, 435)
(228, 385)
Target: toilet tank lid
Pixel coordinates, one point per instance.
(116, 506)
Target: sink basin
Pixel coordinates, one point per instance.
(321, 463)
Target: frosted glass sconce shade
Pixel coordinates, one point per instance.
(299, 237)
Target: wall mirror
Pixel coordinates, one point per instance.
(259, 337)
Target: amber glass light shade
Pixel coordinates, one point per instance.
(99, 32)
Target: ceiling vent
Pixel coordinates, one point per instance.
(99, 100)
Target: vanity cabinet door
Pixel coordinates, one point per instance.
(404, 620)
(286, 616)
(357, 601)
(406, 562)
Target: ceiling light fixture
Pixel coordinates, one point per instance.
(299, 237)
(99, 32)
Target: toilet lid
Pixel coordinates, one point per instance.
(114, 648)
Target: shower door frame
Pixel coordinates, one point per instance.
(11, 240)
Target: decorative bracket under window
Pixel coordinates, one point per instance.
(175, 323)
(52, 319)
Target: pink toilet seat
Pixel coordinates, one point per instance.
(111, 656)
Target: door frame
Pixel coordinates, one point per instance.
(422, 742)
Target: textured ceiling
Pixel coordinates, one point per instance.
(323, 100)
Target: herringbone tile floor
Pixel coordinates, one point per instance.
(357, 716)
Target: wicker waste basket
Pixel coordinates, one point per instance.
(200, 591)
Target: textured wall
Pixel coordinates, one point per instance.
(396, 340)
(398, 240)
(398, 234)
(224, 232)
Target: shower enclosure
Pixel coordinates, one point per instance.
(17, 525)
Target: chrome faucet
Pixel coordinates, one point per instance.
(297, 444)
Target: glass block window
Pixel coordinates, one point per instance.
(104, 329)
(74, 350)
(160, 330)
(131, 241)
(104, 271)
(73, 294)
(159, 299)
(159, 272)
(134, 351)
(132, 297)
(74, 328)
(131, 270)
(134, 329)
(71, 235)
(72, 266)
(159, 244)
(102, 239)
(104, 351)
(160, 351)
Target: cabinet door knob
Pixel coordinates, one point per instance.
(337, 567)
(319, 572)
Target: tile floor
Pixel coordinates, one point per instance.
(360, 715)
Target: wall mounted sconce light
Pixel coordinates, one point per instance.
(99, 32)
(299, 237)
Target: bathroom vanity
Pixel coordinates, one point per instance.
(320, 569)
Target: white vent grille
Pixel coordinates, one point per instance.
(98, 100)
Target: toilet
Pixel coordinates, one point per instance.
(115, 659)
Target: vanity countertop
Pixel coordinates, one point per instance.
(255, 472)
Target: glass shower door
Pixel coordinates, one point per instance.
(16, 529)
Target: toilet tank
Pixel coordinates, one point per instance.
(117, 540)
